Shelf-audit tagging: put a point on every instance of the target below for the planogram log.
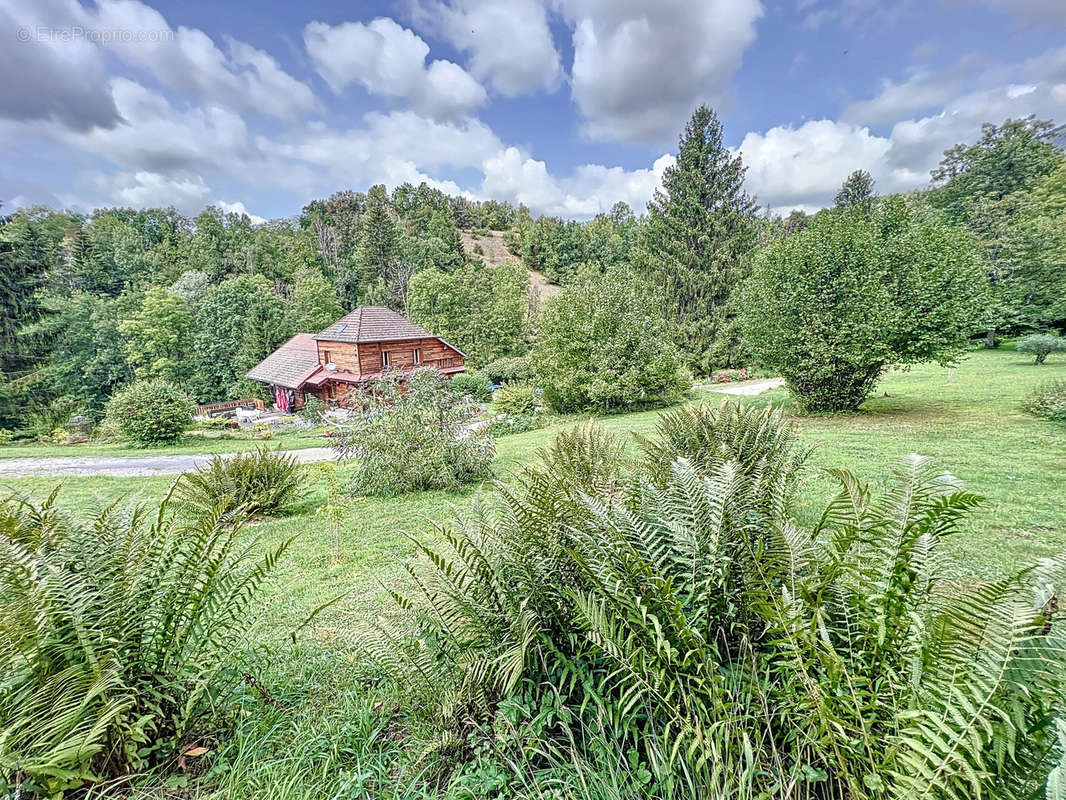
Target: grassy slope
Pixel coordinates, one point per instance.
(969, 419)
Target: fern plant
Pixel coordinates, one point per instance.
(258, 482)
(114, 633)
(736, 652)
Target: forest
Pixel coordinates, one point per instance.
(92, 302)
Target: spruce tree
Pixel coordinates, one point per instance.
(700, 232)
(378, 249)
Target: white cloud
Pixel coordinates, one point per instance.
(640, 68)
(188, 60)
(802, 167)
(592, 189)
(143, 189)
(509, 41)
(238, 208)
(389, 60)
(47, 78)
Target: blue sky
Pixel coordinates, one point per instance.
(565, 105)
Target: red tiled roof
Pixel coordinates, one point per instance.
(290, 365)
(372, 324)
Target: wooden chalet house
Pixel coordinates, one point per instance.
(354, 350)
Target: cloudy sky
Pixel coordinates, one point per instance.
(564, 105)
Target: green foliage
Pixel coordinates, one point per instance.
(857, 191)
(508, 370)
(1048, 401)
(1041, 345)
(481, 311)
(411, 433)
(314, 304)
(474, 384)
(115, 634)
(831, 306)
(731, 650)
(313, 409)
(257, 482)
(239, 323)
(699, 235)
(515, 399)
(605, 345)
(151, 412)
(158, 337)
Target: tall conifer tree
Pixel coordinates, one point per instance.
(700, 231)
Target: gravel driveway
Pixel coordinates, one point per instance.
(130, 466)
(749, 387)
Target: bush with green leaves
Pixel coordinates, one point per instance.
(833, 305)
(473, 384)
(412, 432)
(604, 345)
(508, 370)
(258, 482)
(313, 409)
(1048, 401)
(151, 412)
(515, 399)
(729, 649)
(117, 634)
(1041, 345)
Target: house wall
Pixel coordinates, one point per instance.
(344, 354)
(401, 354)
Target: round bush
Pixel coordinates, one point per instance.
(508, 370)
(474, 384)
(151, 412)
(1041, 345)
(516, 399)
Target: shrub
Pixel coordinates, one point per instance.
(1048, 401)
(1041, 345)
(515, 399)
(504, 425)
(731, 651)
(729, 375)
(474, 384)
(413, 434)
(314, 409)
(604, 346)
(215, 424)
(257, 482)
(508, 370)
(151, 412)
(5, 436)
(831, 306)
(115, 633)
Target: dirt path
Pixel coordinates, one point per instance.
(748, 387)
(130, 466)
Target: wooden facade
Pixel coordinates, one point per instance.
(354, 351)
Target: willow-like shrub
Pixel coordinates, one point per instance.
(413, 431)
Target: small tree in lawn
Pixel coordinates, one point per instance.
(832, 306)
(151, 412)
(412, 435)
(605, 345)
(1041, 345)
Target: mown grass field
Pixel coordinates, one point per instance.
(322, 739)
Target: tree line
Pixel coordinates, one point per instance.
(89, 303)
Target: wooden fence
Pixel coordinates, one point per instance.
(210, 409)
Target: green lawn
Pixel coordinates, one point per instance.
(968, 418)
(192, 442)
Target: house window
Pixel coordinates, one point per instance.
(416, 355)
(384, 358)
(327, 357)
